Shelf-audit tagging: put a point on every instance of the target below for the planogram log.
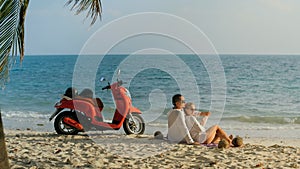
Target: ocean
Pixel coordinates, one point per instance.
(248, 95)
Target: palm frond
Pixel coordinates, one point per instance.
(21, 31)
(12, 19)
(93, 8)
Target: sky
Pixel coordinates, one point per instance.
(231, 26)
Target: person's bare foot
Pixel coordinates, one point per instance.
(230, 139)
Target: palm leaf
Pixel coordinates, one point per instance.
(93, 8)
(12, 18)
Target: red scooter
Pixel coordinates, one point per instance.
(78, 113)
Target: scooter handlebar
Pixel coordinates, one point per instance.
(106, 87)
(120, 82)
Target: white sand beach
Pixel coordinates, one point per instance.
(31, 149)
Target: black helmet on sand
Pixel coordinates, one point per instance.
(158, 135)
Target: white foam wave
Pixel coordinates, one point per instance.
(24, 115)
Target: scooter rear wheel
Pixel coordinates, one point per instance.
(134, 125)
(61, 127)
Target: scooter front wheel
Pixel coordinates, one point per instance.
(134, 124)
(61, 127)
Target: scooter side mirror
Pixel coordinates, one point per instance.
(102, 79)
(118, 74)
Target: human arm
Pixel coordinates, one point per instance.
(194, 124)
(202, 113)
(205, 116)
(177, 128)
(185, 131)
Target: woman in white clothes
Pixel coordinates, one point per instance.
(197, 131)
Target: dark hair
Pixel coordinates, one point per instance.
(176, 98)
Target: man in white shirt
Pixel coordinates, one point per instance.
(177, 129)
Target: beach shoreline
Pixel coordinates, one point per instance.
(34, 149)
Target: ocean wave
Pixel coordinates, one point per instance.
(265, 119)
(24, 115)
(157, 124)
